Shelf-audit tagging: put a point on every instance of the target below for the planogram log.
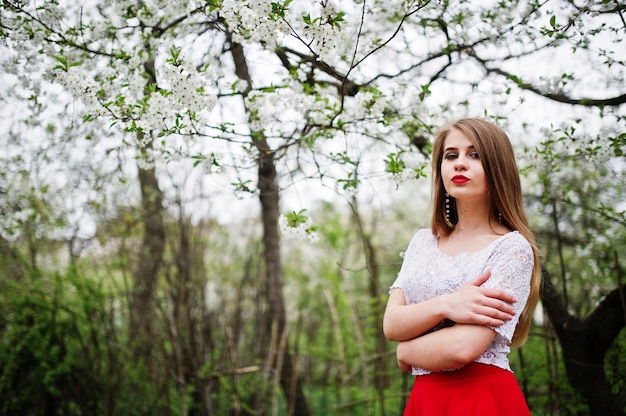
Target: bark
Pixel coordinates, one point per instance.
(187, 294)
(149, 260)
(290, 383)
(282, 361)
(151, 252)
(584, 343)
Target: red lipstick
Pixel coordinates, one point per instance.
(460, 179)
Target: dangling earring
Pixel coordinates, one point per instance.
(448, 222)
(499, 217)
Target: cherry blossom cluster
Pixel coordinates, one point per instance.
(178, 100)
(253, 21)
(367, 104)
(298, 226)
(278, 110)
(84, 88)
(322, 30)
(182, 90)
(415, 166)
(316, 25)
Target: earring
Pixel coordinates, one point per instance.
(499, 217)
(448, 222)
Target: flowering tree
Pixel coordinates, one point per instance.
(266, 94)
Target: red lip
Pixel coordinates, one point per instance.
(460, 179)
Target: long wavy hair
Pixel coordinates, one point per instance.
(505, 197)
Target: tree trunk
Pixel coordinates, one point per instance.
(290, 383)
(149, 260)
(187, 301)
(151, 252)
(584, 344)
(268, 195)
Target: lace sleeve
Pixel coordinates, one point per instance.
(511, 265)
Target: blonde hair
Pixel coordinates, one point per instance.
(505, 197)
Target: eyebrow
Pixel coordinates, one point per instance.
(456, 148)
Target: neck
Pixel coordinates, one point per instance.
(473, 218)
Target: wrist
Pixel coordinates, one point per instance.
(442, 308)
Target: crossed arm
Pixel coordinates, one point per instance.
(471, 307)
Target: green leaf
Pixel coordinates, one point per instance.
(214, 4)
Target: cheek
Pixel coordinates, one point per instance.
(446, 165)
(483, 181)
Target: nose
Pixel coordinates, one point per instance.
(460, 163)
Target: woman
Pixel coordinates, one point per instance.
(468, 286)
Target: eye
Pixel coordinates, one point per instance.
(474, 155)
(450, 156)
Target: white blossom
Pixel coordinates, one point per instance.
(84, 88)
(250, 19)
(212, 164)
(299, 232)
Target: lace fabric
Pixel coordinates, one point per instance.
(427, 272)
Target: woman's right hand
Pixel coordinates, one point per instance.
(473, 304)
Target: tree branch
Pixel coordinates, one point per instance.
(346, 86)
(558, 97)
(607, 320)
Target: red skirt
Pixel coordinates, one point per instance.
(476, 390)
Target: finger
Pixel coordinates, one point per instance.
(487, 319)
(501, 295)
(501, 313)
(495, 322)
(496, 317)
(500, 306)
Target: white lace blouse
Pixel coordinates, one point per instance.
(427, 272)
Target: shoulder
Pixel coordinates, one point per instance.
(423, 235)
(514, 241)
(513, 247)
(511, 262)
(421, 239)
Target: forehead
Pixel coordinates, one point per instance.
(457, 139)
